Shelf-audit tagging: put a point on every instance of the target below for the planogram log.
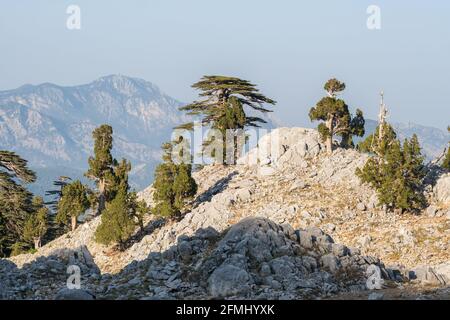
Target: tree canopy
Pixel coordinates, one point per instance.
(16, 202)
(222, 106)
(101, 165)
(174, 185)
(396, 174)
(335, 117)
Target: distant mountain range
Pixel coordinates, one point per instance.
(51, 126)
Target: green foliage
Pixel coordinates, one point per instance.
(117, 223)
(19, 248)
(74, 201)
(101, 166)
(36, 225)
(184, 185)
(372, 144)
(15, 200)
(174, 186)
(446, 162)
(139, 210)
(336, 118)
(123, 212)
(223, 105)
(397, 175)
(333, 87)
(164, 195)
(56, 193)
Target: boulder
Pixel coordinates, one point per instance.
(243, 195)
(428, 275)
(74, 294)
(228, 280)
(330, 262)
(266, 171)
(441, 190)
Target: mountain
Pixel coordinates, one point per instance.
(51, 126)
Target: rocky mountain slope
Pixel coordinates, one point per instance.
(286, 224)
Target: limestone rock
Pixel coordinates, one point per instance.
(74, 294)
(442, 190)
(228, 280)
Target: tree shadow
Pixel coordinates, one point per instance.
(151, 227)
(218, 187)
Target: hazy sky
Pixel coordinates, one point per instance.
(288, 47)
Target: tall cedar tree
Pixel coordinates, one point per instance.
(101, 166)
(396, 175)
(223, 108)
(15, 200)
(174, 185)
(74, 202)
(36, 225)
(446, 163)
(336, 117)
(118, 223)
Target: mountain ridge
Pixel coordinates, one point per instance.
(296, 225)
(50, 126)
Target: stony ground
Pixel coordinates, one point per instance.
(298, 188)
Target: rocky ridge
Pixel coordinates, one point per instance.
(283, 209)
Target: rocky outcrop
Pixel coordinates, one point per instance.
(308, 229)
(441, 191)
(281, 148)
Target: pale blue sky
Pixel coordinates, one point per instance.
(288, 47)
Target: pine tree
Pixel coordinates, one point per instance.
(36, 225)
(139, 210)
(223, 109)
(74, 202)
(446, 162)
(164, 195)
(336, 117)
(118, 223)
(174, 186)
(13, 166)
(15, 200)
(184, 185)
(396, 174)
(101, 166)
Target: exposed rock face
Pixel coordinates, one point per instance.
(251, 236)
(442, 190)
(283, 147)
(74, 294)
